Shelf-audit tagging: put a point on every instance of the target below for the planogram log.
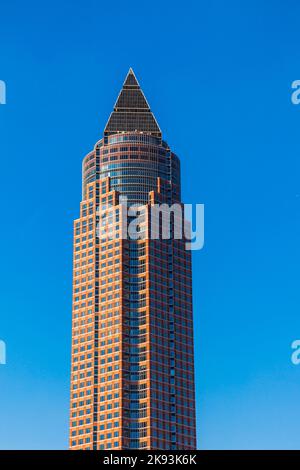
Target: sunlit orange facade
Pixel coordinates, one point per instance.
(132, 377)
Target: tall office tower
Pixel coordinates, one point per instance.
(132, 379)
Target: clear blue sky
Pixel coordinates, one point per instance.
(217, 75)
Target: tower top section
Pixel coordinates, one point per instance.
(131, 111)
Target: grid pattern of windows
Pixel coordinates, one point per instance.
(132, 375)
(131, 111)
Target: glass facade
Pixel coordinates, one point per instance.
(133, 169)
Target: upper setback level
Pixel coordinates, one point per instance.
(132, 152)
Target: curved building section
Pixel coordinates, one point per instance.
(133, 162)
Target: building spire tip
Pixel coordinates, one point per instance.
(131, 111)
(131, 79)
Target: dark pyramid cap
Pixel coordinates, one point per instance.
(131, 111)
(131, 80)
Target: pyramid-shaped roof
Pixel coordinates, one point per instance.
(131, 111)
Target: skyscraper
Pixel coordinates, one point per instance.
(132, 378)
